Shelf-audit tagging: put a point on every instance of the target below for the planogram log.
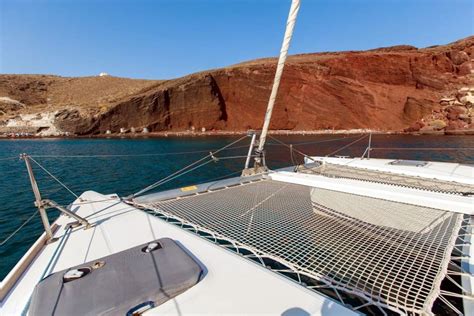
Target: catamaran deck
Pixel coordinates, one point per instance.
(457, 173)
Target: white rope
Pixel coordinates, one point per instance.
(196, 167)
(56, 179)
(316, 142)
(224, 176)
(9, 158)
(388, 178)
(292, 149)
(124, 155)
(175, 153)
(290, 25)
(385, 258)
(348, 145)
(180, 171)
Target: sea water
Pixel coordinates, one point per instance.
(124, 166)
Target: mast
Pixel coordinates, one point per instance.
(290, 25)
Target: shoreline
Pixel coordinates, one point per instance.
(165, 134)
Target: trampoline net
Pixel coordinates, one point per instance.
(389, 254)
(390, 178)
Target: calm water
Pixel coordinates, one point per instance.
(126, 175)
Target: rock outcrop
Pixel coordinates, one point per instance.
(71, 104)
(454, 115)
(387, 89)
(8, 105)
(177, 105)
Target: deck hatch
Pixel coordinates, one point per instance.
(389, 254)
(118, 284)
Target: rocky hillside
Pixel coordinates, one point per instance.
(453, 115)
(386, 89)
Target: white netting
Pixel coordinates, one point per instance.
(391, 254)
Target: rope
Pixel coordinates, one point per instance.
(237, 147)
(56, 179)
(194, 168)
(175, 174)
(122, 155)
(225, 176)
(290, 25)
(320, 141)
(327, 216)
(348, 145)
(19, 228)
(170, 153)
(135, 155)
(291, 156)
(232, 157)
(291, 148)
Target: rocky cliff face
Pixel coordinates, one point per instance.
(37, 103)
(388, 89)
(175, 105)
(453, 114)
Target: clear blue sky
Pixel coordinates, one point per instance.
(160, 39)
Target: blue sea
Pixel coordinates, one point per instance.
(125, 166)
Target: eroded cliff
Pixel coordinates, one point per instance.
(387, 89)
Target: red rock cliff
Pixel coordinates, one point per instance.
(382, 89)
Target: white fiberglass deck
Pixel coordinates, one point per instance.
(231, 284)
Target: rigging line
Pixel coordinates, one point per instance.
(178, 175)
(52, 176)
(183, 169)
(348, 145)
(170, 153)
(197, 167)
(9, 158)
(290, 25)
(217, 178)
(19, 228)
(291, 148)
(133, 155)
(225, 176)
(119, 156)
(233, 157)
(154, 185)
(291, 155)
(85, 201)
(317, 141)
